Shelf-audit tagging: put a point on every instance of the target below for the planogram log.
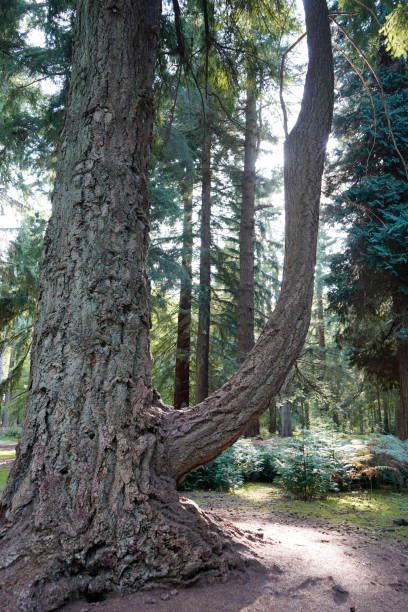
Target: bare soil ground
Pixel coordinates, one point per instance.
(303, 564)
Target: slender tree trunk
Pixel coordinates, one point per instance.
(305, 409)
(401, 411)
(286, 421)
(91, 504)
(7, 396)
(204, 311)
(182, 372)
(3, 348)
(321, 330)
(246, 338)
(272, 416)
(386, 418)
(361, 419)
(379, 415)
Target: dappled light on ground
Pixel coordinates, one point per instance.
(367, 511)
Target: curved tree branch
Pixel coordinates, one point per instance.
(198, 434)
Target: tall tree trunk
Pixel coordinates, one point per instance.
(204, 311)
(321, 329)
(91, 504)
(361, 419)
(386, 417)
(401, 411)
(272, 416)
(246, 338)
(3, 347)
(7, 396)
(286, 421)
(379, 414)
(182, 371)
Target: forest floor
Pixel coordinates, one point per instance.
(308, 561)
(342, 554)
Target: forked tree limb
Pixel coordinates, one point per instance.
(198, 434)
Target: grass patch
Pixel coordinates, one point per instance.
(8, 454)
(4, 472)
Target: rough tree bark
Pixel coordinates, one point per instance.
(91, 504)
(204, 310)
(246, 338)
(182, 370)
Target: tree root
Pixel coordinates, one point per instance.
(182, 544)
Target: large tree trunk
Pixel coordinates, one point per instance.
(204, 297)
(91, 504)
(246, 338)
(182, 372)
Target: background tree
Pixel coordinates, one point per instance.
(369, 278)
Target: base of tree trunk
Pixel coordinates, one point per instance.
(253, 429)
(160, 545)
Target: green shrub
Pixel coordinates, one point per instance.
(240, 463)
(267, 468)
(310, 466)
(12, 431)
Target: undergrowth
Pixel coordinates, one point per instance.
(310, 465)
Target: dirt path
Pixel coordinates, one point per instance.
(305, 565)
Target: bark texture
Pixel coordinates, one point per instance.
(91, 504)
(204, 311)
(182, 371)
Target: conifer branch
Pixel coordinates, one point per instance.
(367, 89)
(387, 115)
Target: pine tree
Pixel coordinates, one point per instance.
(369, 278)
